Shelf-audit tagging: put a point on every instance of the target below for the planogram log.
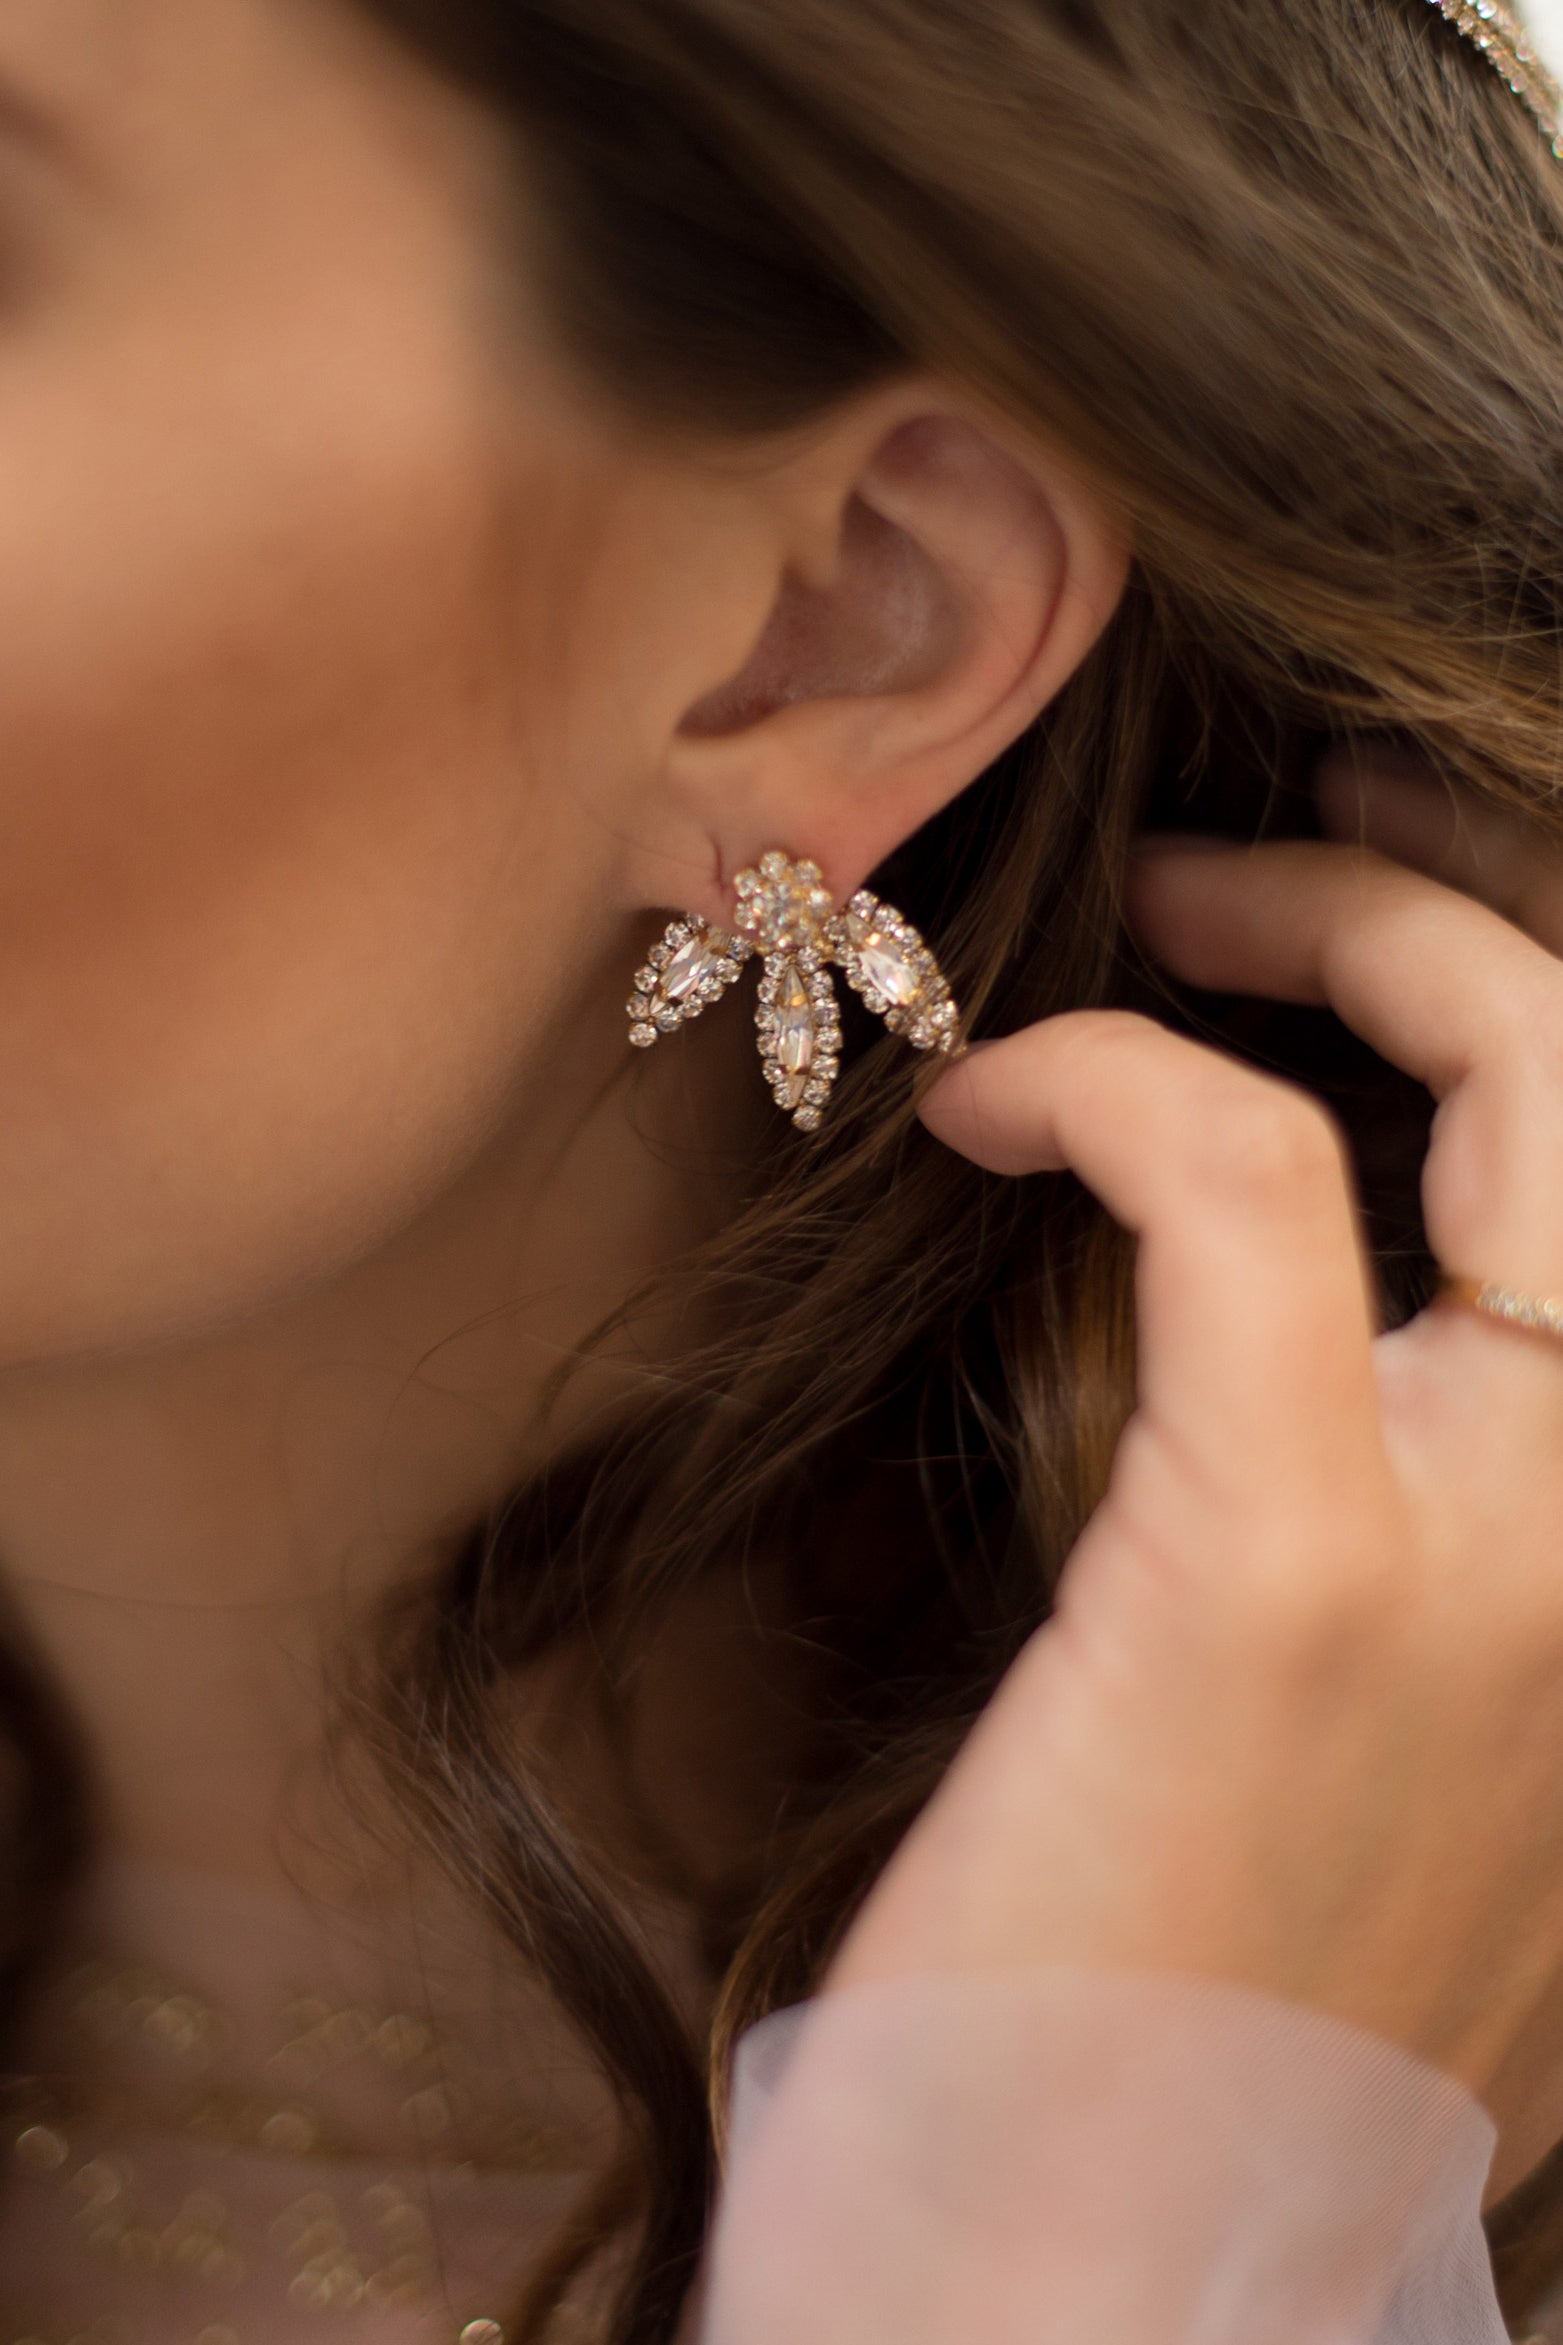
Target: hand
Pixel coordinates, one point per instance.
(1298, 1718)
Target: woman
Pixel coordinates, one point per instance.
(505, 1534)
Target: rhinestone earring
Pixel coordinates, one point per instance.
(784, 912)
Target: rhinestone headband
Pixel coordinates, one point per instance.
(1502, 39)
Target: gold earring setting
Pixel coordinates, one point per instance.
(887, 963)
(690, 968)
(784, 911)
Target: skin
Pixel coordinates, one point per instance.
(368, 691)
(1318, 1537)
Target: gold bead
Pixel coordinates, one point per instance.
(332, 2283)
(179, 2024)
(289, 2133)
(347, 2032)
(404, 2225)
(401, 2041)
(201, 2252)
(313, 2207)
(404, 2282)
(98, 2182)
(327, 2237)
(41, 2149)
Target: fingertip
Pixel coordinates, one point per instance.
(987, 1107)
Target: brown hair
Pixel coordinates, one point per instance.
(1287, 282)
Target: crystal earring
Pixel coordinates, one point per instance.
(784, 911)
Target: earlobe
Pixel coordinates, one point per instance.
(965, 578)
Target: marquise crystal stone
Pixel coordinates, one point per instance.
(794, 1035)
(691, 967)
(887, 962)
(800, 1035)
(883, 961)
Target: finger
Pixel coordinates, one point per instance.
(1433, 980)
(1399, 806)
(1255, 1317)
(1436, 982)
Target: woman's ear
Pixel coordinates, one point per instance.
(937, 581)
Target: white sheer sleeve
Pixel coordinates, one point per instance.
(1073, 2157)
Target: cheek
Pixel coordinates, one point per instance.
(288, 871)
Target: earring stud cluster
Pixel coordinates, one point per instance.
(784, 912)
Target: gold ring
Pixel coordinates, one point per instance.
(1544, 1315)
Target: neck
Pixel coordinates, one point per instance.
(190, 1534)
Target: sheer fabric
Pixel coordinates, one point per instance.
(322, 2254)
(1064, 2156)
(265, 2119)
(1050, 2157)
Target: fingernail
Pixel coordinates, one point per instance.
(1184, 842)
